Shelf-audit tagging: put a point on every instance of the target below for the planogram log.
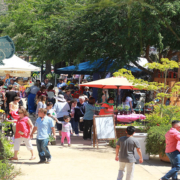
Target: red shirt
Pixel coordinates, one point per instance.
(172, 140)
(39, 93)
(23, 126)
(110, 108)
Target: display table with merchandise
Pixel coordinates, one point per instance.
(130, 118)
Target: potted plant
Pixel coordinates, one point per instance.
(126, 108)
(52, 140)
(155, 141)
(120, 109)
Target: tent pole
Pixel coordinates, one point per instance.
(117, 102)
(55, 80)
(79, 79)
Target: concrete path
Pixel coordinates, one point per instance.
(82, 162)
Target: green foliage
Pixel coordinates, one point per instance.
(135, 123)
(7, 170)
(120, 107)
(170, 113)
(126, 108)
(74, 31)
(155, 141)
(161, 89)
(7, 147)
(51, 138)
(112, 143)
(115, 108)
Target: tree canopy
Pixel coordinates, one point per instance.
(75, 31)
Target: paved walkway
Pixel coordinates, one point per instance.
(82, 162)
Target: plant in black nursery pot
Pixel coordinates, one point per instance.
(52, 140)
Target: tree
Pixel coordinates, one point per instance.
(161, 89)
(74, 31)
(33, 25)
(123, 31)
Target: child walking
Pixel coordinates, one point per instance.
(126, 155)
(66, 129)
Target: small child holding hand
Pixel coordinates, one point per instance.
(66, 129)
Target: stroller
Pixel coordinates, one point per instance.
(11, 128)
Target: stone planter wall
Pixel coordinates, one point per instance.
(121, 130)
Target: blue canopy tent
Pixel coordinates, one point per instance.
(90, 67)
(94, 68)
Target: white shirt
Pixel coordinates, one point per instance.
(127, 101)
(52, 113)
(61, 109)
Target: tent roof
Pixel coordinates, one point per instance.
(88, 67)
(17, 64)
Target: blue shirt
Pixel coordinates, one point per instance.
(90, 110)
(61, 84)
(44, 127)
(8, 82)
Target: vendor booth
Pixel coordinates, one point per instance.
(95, 68)
(16, 66)
(117, 83)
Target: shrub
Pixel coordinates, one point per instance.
(112, 143)
(170, 113)
(7, 170)
(155, 141)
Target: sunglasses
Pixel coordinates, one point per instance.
(19, 112)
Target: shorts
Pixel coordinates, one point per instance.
(59, 126)
(27, 141)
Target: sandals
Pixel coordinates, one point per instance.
(13, 158)
(32, 158)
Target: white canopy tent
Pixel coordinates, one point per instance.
(16, 66)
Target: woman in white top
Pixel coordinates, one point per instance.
(127, 100)
(41, 103)
(61, 108)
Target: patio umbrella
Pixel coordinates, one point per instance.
(111, 83)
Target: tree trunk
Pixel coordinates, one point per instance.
(48, 68)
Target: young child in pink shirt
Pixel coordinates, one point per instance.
(66, 130)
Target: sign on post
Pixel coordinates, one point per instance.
(7, 48)
(103, 128)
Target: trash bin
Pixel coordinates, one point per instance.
(141, 137)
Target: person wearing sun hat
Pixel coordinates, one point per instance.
(61, 108)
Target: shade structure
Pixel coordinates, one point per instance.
(111, 83)
(16, 66)
(98, 66)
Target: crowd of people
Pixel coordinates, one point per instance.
(70, 110)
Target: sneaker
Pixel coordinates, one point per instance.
(62, 144)
(41, 162)
(69, 145)
(48, 160)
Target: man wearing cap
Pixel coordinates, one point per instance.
(61, 108)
